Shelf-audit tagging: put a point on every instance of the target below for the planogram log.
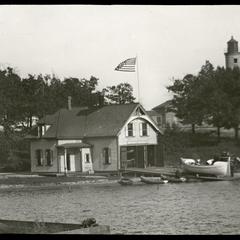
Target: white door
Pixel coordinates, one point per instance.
(62, 165)
(72, 163)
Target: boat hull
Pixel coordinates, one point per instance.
(125, 181)
(153, 180)
(217, 169)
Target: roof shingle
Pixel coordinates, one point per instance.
(81, 122)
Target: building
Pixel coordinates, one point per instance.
(164, 116)
(107, 138)
(232, 56)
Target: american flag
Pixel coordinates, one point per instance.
(127, 65)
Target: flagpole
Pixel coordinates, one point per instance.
(138, 79)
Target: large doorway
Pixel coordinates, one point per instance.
(150, 156)
(137, 156)
(140, 157)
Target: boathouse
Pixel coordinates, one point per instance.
(107, 138)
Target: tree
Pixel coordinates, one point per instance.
(34, 97)
(213, 96)
(11, 99)
(231, 88)
(187, 103)
(120, 94)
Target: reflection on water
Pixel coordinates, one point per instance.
(188, 208)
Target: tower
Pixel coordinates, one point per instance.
(232, 56)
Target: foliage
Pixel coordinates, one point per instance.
(120, 94)
(184, 144)
(32, 97)
(213, 96)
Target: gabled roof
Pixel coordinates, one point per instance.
(81, 122)
(163, 105)
(152, 113)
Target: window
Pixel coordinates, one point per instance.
(49, 157)
(235, 60)
(41, 130)
(130, 129)
(39, 157)
(144, 129)
(87, 158)
(107, 155)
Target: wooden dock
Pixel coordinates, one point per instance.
(237, 177)
(170, 171)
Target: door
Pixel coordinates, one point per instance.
(140, 157)
(131, 156)
(71, 162)
(150, 156)
(62, 165)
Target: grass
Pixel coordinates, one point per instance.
(200, 145)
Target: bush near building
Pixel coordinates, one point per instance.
(14, 153)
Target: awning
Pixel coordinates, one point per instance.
(74, 145)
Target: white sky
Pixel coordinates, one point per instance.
(85, 40)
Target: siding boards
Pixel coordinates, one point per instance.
(97, 150)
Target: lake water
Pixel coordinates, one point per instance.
(187, 208)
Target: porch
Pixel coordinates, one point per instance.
(74, 157)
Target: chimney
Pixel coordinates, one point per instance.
(69, 102)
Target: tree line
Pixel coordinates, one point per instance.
(22, 99)
(212, 96)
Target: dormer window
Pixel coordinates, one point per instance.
(42, 130)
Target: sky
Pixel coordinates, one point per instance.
(91, 40)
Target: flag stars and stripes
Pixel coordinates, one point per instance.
(127, 65)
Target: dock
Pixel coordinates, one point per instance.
(171, 171)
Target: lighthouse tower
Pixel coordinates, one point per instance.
(232, 56)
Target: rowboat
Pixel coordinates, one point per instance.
(125, 181)
(153, 180)
(218, 168)
(174, 179)
(36, 227)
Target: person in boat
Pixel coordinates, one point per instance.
(198, 162)
(224, 156)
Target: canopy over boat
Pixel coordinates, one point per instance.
(218, 168)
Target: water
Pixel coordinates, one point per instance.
(187, 208)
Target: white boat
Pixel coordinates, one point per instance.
(218, 168)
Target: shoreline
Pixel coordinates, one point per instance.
(11, 181)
